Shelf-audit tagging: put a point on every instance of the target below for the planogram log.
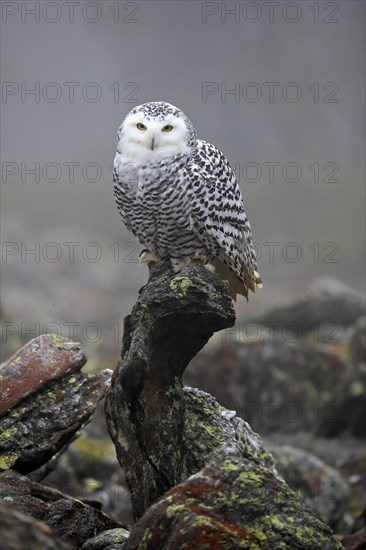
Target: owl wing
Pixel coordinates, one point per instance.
(218, 217)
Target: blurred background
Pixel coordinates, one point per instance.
(87, 75)
(277, 86)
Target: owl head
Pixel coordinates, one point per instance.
(153, 131)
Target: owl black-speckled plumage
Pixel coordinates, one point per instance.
(179, 196)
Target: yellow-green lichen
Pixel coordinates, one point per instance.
(143, 545)
(123, 441)
(228, 466)
(118, 538)
(8, 433)
(8, 460)
(180, 285)
(250, 477)
(56, 339)
(172, 509)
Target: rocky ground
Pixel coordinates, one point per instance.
(63, 487)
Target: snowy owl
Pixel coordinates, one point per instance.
(180, 198)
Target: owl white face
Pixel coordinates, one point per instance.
(146, 139)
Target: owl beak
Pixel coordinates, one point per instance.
(152, 144)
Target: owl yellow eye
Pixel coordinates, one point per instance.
(167, 128)
(140, 126)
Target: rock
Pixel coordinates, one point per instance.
(164, 432)
(211, 432)
(21, 531)
(47, 400)
(327, 302)
(115, 500)
(31, 368)
(113, 539)
(358, 342)
(349, 401)
(275, 386)
(346, 455)
(69, 519)
(231, 503)
(349, 412)
(174, 317)
(360, 521)
(321, 487)
(357, 541)
(89, 471)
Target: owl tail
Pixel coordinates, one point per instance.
(237, 285)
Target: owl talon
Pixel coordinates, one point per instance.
(147, 257)
(258, 283)
(178, 265)
(210, 268)
(202, 258)
(199, 256)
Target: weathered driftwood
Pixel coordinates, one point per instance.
(45, 400)
(174, 317)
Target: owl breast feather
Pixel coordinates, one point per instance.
(158, 209)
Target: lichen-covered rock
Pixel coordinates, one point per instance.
(358, 342)
(327, 302)
(88, 470)
(52, 403)
(349, 402)
(231, 504)
(345, 455)
(275, 386)
(35, 365)
(71, 520)
(321, 487)
(211, 432)
(20, 531)
(173, 318)
(357, 541)
(113, 539)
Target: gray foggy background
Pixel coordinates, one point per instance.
(90, 74)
